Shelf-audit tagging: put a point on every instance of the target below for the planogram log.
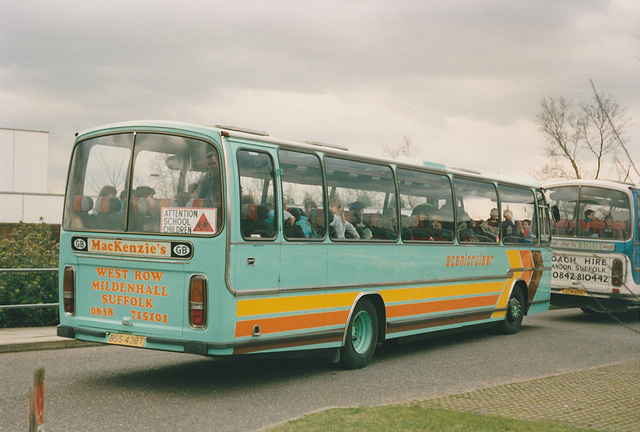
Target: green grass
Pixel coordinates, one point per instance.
(414, 418)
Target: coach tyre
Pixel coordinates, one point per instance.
(515, 313)
(362, 336)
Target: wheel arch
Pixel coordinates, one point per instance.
(520, 283)
(378, 303)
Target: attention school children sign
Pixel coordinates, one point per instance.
(177, 220)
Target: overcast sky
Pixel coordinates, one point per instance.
(463, 79)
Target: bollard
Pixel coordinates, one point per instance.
(36, 402)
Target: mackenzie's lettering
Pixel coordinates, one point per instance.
(119, 246)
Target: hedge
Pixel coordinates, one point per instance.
(29, 246)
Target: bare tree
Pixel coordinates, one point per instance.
(583, 140)
(108, 171)
(404, 148)
(621, 166)
(561, 128)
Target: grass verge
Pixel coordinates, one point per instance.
(414, 418)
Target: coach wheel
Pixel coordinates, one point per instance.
(515, 312)
(362, 336)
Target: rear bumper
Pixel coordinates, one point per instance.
(597, 302)
(189, 347)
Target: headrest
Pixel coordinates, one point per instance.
(169, 202)
(139, 205)
(356, 206)
(423, 209)
(82, 203)
(348, 215)
(107, 204)
(250, 212)
(295, 212)
(316, 216)
(196, 202)
(618, 225)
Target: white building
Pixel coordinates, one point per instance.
(24, 195)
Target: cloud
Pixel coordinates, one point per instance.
(356, 73)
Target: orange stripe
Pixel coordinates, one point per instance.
(526, 258)
(440, 322)
(526, 262)
(290, 323)
(336, 318)
(287, 344)
(440, 306)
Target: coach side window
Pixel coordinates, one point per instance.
(518, 224)
(545, 220)
(566, 200)
(426, 206)
(362, 195)
(258, 215)
(476, 211)
(303, 216)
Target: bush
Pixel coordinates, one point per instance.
(29, 246)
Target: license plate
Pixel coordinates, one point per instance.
(573, 291)
(124, 339)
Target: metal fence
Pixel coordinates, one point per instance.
(36, 305)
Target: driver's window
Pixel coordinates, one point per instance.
(477, 212)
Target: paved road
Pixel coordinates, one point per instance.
(117, 388)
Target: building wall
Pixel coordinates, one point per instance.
(31, 208)
(24, 157)
(24, 162)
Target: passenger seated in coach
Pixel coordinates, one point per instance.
(357, 208)
(289, 226)
(389, 220)
(511, 229)
(146, 212)
(608, 231)
(107, 209)
(589, 217)
(304, 221)
(464, 225)
(341, 228)
(181, 199)
(491, 226)
(527, 232)
(209, 186)
(105, 194)
(108, 191)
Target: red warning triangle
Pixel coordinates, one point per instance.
(203, 225)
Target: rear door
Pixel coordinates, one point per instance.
(143, 296)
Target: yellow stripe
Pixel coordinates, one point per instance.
(398, 295)
(514, 259)
(279, 304)
(480, 288)
(502, 301)
(275, 305)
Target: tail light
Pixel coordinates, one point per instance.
(198, 302)
(616, 273)
(69, 291)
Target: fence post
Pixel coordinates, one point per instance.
(36, 402)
